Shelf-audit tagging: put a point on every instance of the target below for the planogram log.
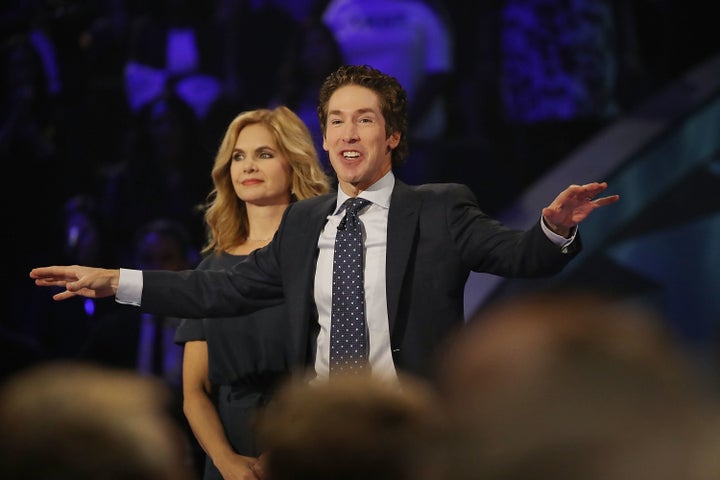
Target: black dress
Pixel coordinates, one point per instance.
(247, 357)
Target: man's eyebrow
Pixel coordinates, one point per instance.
(358, 111)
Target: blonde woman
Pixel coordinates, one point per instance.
(231, 365)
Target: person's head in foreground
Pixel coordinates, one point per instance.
(83, 422)
(575, 386)
(350, 428)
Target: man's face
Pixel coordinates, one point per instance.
(355, 138)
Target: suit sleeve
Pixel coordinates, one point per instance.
(489, 246)
(251, 284)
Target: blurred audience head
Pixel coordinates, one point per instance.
(574, 385)
(82, 229)
(352, 427)
(163, 244)
(76, 421)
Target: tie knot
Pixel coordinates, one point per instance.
(353, 205)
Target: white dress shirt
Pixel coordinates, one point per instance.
(374, 220)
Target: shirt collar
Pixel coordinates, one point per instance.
(378, 193)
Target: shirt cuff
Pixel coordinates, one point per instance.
(130, 285)
(558, 240)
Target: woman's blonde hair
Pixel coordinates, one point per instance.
(226, 214)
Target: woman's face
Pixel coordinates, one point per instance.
(260, 173)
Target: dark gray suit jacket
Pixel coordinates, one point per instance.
(437, 234)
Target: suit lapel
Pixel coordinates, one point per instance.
(316, 222)
(307, 239)
(302, 267)
(405, 205)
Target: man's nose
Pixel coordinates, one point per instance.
(350, 132)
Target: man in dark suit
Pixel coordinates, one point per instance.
(420, 244)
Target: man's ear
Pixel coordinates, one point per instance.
(393, 140)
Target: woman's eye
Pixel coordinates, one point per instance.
(237, 156)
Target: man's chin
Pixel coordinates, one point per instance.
(349, 176)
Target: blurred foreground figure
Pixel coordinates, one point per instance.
(574, 386)
(351, 428)
(76, 421)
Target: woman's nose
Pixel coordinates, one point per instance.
(249, 166)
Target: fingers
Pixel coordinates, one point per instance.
(37, 272)
(257, 470)
(586, 194)
(51, 274)
(62, 277)
(63, 295)
(601, 202)
(41, 272)
(49, 282)
(588, 190)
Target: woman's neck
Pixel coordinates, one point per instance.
(263, 221)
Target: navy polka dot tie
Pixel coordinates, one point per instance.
(348, 341)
